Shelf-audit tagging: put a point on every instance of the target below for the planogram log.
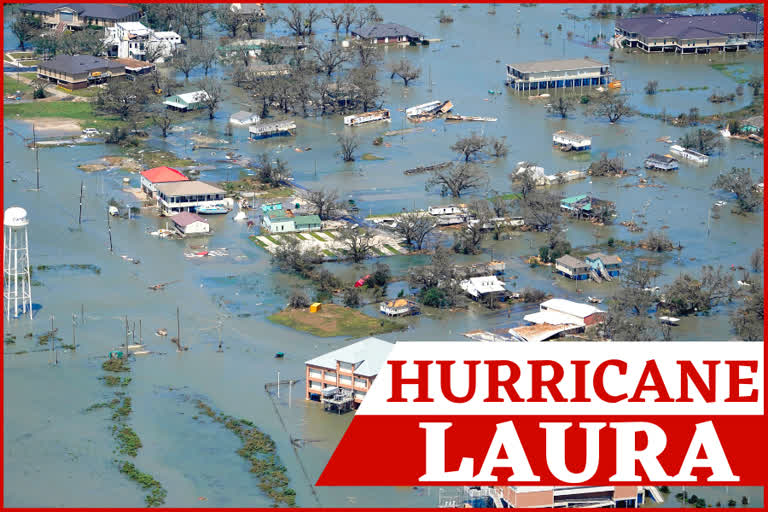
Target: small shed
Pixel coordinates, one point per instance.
(188, 223)
(244, 118)
(660, 162)
(315, 307)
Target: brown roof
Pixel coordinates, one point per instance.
(133, 63)
(570, 261)
(188, 188)
(187, 218)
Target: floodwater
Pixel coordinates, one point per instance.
(52, 444)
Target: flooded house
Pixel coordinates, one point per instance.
(585, 206)
(264, 130)
(604, 264)
(79, 71)
(186, 196)
(399, 307)
(367, 117)
(566, 312)
(188, 223)
(582, 496)
(186, 101)
(689, 154)
(572, 268)
(447, 210)
(658, 162)
(568, 141)
(658, 33)
(153, 177)
(244, 118)
(484, 287)
(284, 221)
(341, 378)
(132, 40)
(386, 33)
(557, 74)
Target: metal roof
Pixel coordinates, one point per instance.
(661, 158)
(244, 116)
(380, 30)
(164, 175)
(607, 259)
(305, 220)
(188, 188)
(571, 308)
(692, 27)
(541, 66)
(368, 356)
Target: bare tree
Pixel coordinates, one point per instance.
(561, 107)
(213, 95)
(468, 239)
(227, 19)
(415, 227)
(756, 83)
(405, 70)
(350, 15)
(357, 242)
(651, 87)
(330, 57)
(702, 140)
(271, 53)
(205, 54)
(348, 144)
(739, 182)
(123, 99)
(336, 16)
(458, 179)
(499, 148)
(325, 203)
(688, 294)
(153, 52)
(252, 23)
(164, 119)
(184, 61)
(628, 318)
(367, 92)
(756, 260)
(367, 54)
(748, 320)
(611, 106)
(299, 21)
(541, 210)
(273, 172)
(524, 182)
(469, 146)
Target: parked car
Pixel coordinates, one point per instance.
(90, 132)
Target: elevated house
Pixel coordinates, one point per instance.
(568, 141)
(341, 378)
(263, 130)
(284, 221)
(566, 312)
(386, 33)
(153, 177)
(187, 196)
(135, 67)
(484, 288)
(684, 34)
(603, 264)
(586, 206)
(399, 307)
(188, 223)
(79, 71)
(186, 101)
(572, 268)
(658, 162)
(556, 74)
(61, 17)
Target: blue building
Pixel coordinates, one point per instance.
(604, 264)
(557, 74)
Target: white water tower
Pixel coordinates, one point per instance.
(16, 284)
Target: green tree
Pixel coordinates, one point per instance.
(25, 27)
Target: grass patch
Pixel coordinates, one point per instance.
(128, 441)
(738, 74)
(100, 405)
(510, 197)
(300, 236)
(334, 320)
(329, 235)
(151, 159)
(29, 75)
(88, 92)
(21, 55)
(258, 449)
(317, 237)
(391, 249)
(258, 242)
(157, 494)
(11, 85)
(79, 111)
(379, 251)
(123, 411)
(371, 156)
(329, 253)
(275, 193)
(272, 239)
(115, 365)
(115, 381)
(45, 339)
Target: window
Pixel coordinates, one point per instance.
(314, 372)
(330, 375)
(345, 380)
(66, 16)
(361, 383)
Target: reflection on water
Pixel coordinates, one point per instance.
(50, 440)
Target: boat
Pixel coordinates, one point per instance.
(367, 117)
(669, 320)
(216, 209)
(280, 355)
(689, 154)
(720, 204)
(594, 300)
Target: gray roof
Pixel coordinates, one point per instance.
(606, 259)
(570, 261)
(188, 188)
(756, 121)
(692, 27)
(71, 64)
(243, 115)
(661, 158)
(380, 30)
(541, 66)
(368, 356)
(102, 11)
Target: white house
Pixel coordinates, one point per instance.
(188, 223)
(282, 221)
(445, 210)
(482, 287)
(185, 196)
(244, 118)
(562, 311)
(132, 40)
(186, 101)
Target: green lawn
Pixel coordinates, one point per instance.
(318, 237)
(391, 249)
(328, 234)
(11, 85)
(29, 75)
(334, 320)
(328, 253)
(510, 197)
(258, 242)
(21, 55)
(272, 239)
(300, 236)
(79, 111)
(379, 251)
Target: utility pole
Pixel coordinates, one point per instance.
(178, 326)
(109, 230)
(37, 157)
(141, 338)
(220, 349)
(126, 336)
(278, 384)
(80, 216)
(74, 323)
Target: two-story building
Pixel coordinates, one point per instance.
(560, 73)
(571, 496)
(153, 177)
(572, 268)
(133, 40)
(187, 196)
(604, 264)
(79, 16)
(79, 71)
(345, 375)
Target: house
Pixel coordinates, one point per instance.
(188, 223)
(186, 196)
(79, 71)
(135, 67)
(674, 32)
(572, 268)
(342, 377)
(264, 130)
(367, 117)
(586, 206)
(132, 40)
(562, 312)
(152, 177)
(399, 307)
(603, 264)
(555, 74)
(186, 101)
(385, 33)
(484, 287)
(567, 141)
(689, 154)
(446, 210)
(752, 124)
(566, 497)
(284, 221)
(79, 16)
(249, 9)
(258, 70)
(660, 162)
(244, 118)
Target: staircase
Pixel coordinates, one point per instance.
(595, 277)
(61, 27)
(605, 275)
